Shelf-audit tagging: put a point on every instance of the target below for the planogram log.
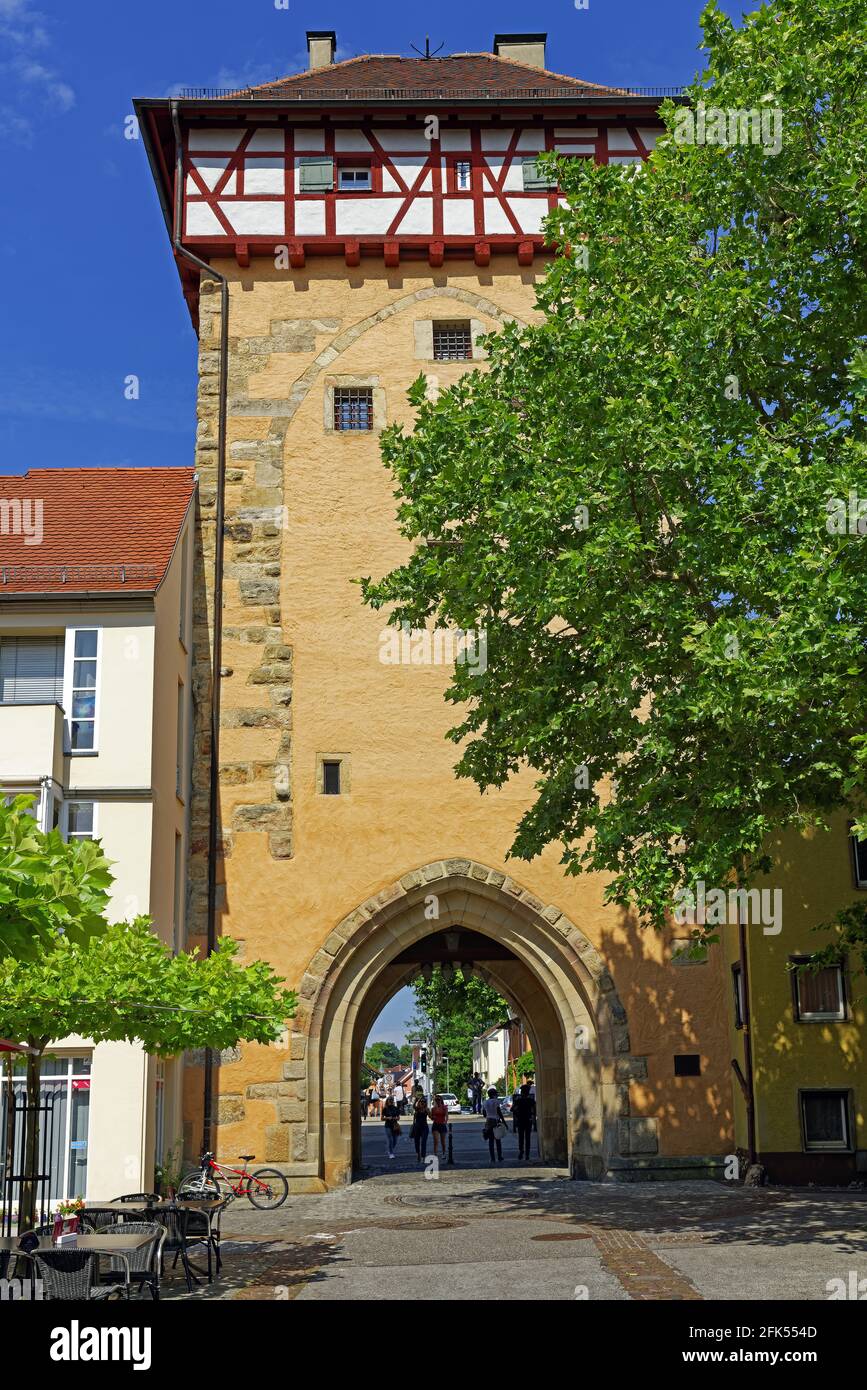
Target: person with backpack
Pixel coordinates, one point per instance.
(495, 1126)
(524, 1113)
(419, 1126)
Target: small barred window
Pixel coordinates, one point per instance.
(353, 408)
(453, 342)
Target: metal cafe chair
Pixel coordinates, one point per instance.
(71, 1274)
(174, 1221)
(98, 1219)
(143, 1266)
(140, 1199)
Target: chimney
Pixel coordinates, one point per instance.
(524, 48)
(321, 44)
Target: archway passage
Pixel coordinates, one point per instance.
(539, 960)
(487, 959)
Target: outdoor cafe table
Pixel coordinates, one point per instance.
(211, 1206)
(122, 1246)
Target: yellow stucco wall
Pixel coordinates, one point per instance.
(814, 874)
(404, 809)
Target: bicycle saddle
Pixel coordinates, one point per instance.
(248, 1158)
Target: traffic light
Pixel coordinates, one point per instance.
(423, 1060)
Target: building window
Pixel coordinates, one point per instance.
(82, 708)
(178, 896)
(534, 180)
(825, 1116)
(80, 820)
(179, 749)
(316, 175)
(64, 1083)
(353, 408)
(332, 774)
(354, 180)
(859, 861)
(453, 342)
(687, 1064)
(820, 994)
(463, 175)
(739, 1000)
(31, 670)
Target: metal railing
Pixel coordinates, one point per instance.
(77, 574)
(274, 91)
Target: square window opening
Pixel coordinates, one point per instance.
(353, 408)
(819, 995)
(687, 1064)
(453, 341)
(826, 1120)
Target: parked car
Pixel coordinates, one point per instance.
(505, 1104)
(453, 1105)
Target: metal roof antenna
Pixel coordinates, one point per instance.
(427, 53)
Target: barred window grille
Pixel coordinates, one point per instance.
(353, 408)
(452, 342)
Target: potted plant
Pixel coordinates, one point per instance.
(67, 1218)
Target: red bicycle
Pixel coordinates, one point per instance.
(266, 1188)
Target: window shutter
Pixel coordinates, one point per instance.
(533, 178)
(317, 175)
(31, 670)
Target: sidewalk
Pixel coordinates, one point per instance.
(532, 1234)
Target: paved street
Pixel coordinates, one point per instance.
(470, 1232)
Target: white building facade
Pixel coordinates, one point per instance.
(95, 719)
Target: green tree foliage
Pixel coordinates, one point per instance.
(635, 501)
(384, 1055)
(46, 885)
(452, 1013)
(64, 969)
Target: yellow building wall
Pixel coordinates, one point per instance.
(295, 866)
(814, 874)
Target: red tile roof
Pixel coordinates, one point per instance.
(461, 74)
(104, 530)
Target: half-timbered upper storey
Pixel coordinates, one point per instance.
(432, 158)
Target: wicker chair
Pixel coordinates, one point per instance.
(145, 1264)
(138, 1199)
(98, 1219)
(70, 1274)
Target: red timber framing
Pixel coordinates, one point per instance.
(242, 196)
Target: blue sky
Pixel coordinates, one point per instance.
(90, 295)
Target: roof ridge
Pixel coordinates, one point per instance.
(495, 58)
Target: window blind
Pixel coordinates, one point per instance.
(31, 670)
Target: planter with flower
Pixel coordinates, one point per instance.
(67, 1217)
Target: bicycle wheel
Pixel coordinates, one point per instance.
(267, 1189)
(198, 1184)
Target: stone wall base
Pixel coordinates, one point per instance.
(681, 1168)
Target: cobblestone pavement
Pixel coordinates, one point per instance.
(515, 1233)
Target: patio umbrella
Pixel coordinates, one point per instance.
(14, 1047)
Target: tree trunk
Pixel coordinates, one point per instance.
(29, 1187)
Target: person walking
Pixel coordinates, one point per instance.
(419, 1126)
(364, 1100)
(494, 1126)
(391, 1120)
(478, 1087)
(439, 1115)
(524, 1113)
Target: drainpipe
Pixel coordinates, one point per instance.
(217, 642)
(749, 1086)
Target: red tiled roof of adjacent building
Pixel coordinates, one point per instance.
(104, 530)
(461, 74)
